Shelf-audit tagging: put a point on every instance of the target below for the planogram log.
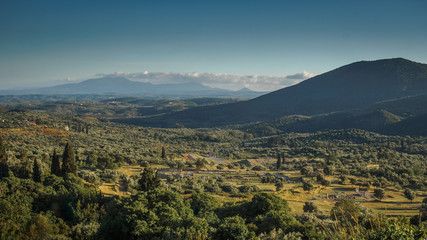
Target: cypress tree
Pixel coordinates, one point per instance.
(55, 168)
(279, 161)
(68, 160)
(283, 158)
(4, 168)
(163, 153)
(37, 173)
(2, 149)
(25, 166)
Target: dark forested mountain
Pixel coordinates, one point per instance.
(357, 87)
(123, 86)
(377, 121)
(415, 126)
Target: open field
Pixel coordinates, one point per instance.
(394, 204)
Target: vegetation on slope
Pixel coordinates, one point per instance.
(215, 183)
(355, 87)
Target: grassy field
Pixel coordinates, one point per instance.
(394, 204)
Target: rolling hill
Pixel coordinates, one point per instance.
(414, 126)
(360, 87)
(376, 121)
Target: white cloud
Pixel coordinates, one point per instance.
(220, 80)
(299, 76)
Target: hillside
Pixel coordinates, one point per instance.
(377, 121)
(414, 126)
(239, 172)
(356, 87)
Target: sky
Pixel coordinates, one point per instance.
(263, 45)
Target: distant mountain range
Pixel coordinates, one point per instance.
(369, 94)
(124, 87)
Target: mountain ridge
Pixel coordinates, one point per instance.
(124, 86)
(353, 87)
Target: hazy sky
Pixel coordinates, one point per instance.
(262, 44)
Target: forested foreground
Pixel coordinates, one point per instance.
(52, 167)
(63, 207)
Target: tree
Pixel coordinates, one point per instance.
(343, 179)
(379, 193)
(37, 173)
(400, 229)
(422, 216)
(39, 228)
(91, 160)
(320, 178)
(149, 180)
(68, 161)
(279, 161)
(25, 168)
(310, 207)
(4, 167)
(156, 214)
(234, 228)
(279, 184)
(200, 163)
(345, 211)
(163, 153)
(283, 158)
(262, 203)
(307, 186)
(329, 170)
(55, 168)
(326, 183)
(203, 202)
(3, 155)
(409, 194)
(275, 220)
(307, 171)
(181, 165)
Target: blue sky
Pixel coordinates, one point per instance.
(47, 42)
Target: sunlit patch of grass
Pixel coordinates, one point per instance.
(131, 169)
